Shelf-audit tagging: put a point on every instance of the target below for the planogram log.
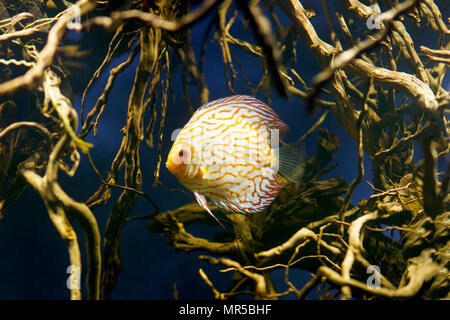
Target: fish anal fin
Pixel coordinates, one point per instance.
(202, 202)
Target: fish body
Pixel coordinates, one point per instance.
(228, 152)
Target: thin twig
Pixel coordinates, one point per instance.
(153, 20)
(360, 153)
(35, 74)
(21, 124)
(345, 57)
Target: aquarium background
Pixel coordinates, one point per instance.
(33, 258)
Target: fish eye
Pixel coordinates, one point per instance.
(183, 153)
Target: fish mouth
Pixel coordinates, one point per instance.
(172, 167)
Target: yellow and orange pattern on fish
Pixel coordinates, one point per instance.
(224, 153)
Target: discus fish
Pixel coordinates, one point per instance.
(228, 152)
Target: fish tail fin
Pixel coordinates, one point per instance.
(292, 161)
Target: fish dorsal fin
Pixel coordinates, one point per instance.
(251, 103)
(291, 161)
(214, 103)
(228, 100)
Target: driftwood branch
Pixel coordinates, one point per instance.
(45, 56)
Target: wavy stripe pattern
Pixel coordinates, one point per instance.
(230, 157)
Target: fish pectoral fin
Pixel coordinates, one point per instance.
(202, 202)
(292, 161)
